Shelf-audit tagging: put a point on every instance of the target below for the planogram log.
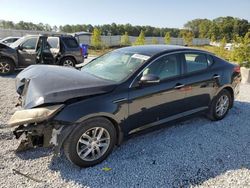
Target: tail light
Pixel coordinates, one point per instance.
(81, 51)
(237, 69)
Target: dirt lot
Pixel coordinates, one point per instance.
(196, 152)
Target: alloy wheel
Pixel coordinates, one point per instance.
(68, 63)
(222, 105)
(93, 144)
(4, 67)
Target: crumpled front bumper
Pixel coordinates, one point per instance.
(36, 128)
(45, 134)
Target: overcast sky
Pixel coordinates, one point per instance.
(160, 13)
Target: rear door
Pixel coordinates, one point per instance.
(27, 52)
(201, 80)
(49, 50)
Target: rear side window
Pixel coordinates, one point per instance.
(195, 61)
(70, 42)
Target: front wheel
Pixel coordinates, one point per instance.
(6, 67)
(90, 142)
(220, 105)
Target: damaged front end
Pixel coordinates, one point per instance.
(36, 129)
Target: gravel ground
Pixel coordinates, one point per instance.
(196, 152)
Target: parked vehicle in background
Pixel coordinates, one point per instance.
(9, 40)
(61, 50)
(121, 93)
(229, 46)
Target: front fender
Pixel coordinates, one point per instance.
(75, 113)
(83, 110)
(112, 105)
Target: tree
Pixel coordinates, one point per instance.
(204, 28)
(154, 40)
(223, 42)
(125, 39)
(213, 39)
(167, 38)
(219, 27)
(55, 28)
(187, 36)
(141, 39)
(221, 51)
(48, 27)
(96, 40)
(241, 52)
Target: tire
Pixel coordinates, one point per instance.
(79, 144)
(68, 62)
(219, 107)
(6, 66)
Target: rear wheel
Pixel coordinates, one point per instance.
(68, 62)
(90, 142)
(6, 66)
(220, 105)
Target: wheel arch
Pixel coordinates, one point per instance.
(9, 58)
(230, 90)
(69, 128)
(112, 119)
(67, 56)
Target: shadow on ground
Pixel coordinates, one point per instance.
(186, 154)
(13, 75)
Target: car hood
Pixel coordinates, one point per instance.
(47, 84)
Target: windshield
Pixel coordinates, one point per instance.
(115, 66)
(18, 42)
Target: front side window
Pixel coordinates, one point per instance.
(30, 44)
(195, 61)
(115, 66)
(165, 67)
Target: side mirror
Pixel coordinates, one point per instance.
(149, 79)
(20, 47)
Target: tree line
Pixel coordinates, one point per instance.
(239, 54)
(223, 27)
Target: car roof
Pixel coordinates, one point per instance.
(152, 50)
(10, 38)
(48, 35)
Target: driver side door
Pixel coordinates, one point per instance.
(27, 52)
(157, 103)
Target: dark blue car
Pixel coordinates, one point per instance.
(119, 94)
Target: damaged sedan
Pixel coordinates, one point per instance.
(87, 113)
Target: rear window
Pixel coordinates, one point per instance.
(70, 42)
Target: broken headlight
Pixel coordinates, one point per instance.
(34, 115)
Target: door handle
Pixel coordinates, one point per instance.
(216, 76)
(178, 86)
